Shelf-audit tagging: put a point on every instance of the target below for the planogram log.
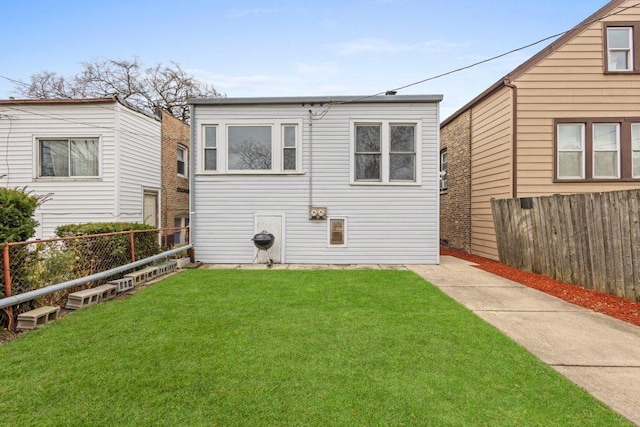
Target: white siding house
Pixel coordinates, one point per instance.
(96, 158)
(370, 165)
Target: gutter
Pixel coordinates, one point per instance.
(514, 137)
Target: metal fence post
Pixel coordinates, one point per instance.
(7, 282)
(133, 245)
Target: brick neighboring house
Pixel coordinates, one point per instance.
(175, 176)
(565, 121)
(455, 185)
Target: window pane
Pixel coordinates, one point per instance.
(605, 164)
(636, 164)
(402, 167)
(570, 137)
(289, 159)
(210, 137)
(402, 138)
(570, 165)
(289, 136)
(368, 167)
(249, 147)
(54, 158)
(635, 136)
(368, 139)
(605, 137)
(210, 160)
(84, 157)
(619, 60)
(618, 38)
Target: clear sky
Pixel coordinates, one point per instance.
(289, 48)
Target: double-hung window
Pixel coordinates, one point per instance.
(606, 150)
(621, 43)
(69, 158)
(182, 161)
(444, 170)
(597, 149)
(385, 152)
(620, 48)
(635, 149)
(248, 148)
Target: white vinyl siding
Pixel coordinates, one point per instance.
(79, 199)
(386, 224)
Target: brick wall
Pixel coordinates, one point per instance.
(175, 188)
(455, 202)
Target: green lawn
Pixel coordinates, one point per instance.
(263, 348)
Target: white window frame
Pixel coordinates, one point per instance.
(204, 149)
(634, 173)
(185, 160)
(277, 147)
(386, 150)
(344, 232)
(37, 166)
(444, 170)
(629, 50)
(594, 151)
(583, 151)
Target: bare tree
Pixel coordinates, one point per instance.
(161, 87)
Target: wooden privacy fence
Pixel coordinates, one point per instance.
(589, 239)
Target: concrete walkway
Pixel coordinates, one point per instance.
(599, 353)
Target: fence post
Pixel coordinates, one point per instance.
(7, 282)
(133, 245)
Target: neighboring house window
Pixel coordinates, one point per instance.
(606, 141)
(598, 149)
(210, 148)
(337, 232)
(69, 157)
(635, 149)
(621, 43)
(252, 148)
(385, 152)
(182, 161)
(570, 143)
(180, 236)
(444, 170)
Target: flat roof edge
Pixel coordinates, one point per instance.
(319, 100)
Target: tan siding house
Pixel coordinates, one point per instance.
(565, 121)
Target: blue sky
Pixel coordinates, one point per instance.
(289, 48)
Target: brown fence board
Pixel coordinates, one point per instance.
(591, 239)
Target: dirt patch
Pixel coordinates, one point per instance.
(618, 307)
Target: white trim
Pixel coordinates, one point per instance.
(634, 174)
(344, 232)
(594, 151)
(277, 144)
(583, 150)
(628, 50)
(185, 160)
(385, 148)
(60, 136)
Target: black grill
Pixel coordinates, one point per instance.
(264, 241)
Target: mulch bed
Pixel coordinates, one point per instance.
(618, 307)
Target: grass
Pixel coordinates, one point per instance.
(258, 348)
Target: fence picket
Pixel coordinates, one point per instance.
(591, 239)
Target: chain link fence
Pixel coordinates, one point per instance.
(34, 264)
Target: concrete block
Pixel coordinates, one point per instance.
(167, 267)
(183, 262)
(83, 299)
(107, 291)
(123, 284)
(143, 275)
(38, 317)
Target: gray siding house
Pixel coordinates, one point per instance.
(337, 180)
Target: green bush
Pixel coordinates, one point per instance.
(106, 252)
(17, 207)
